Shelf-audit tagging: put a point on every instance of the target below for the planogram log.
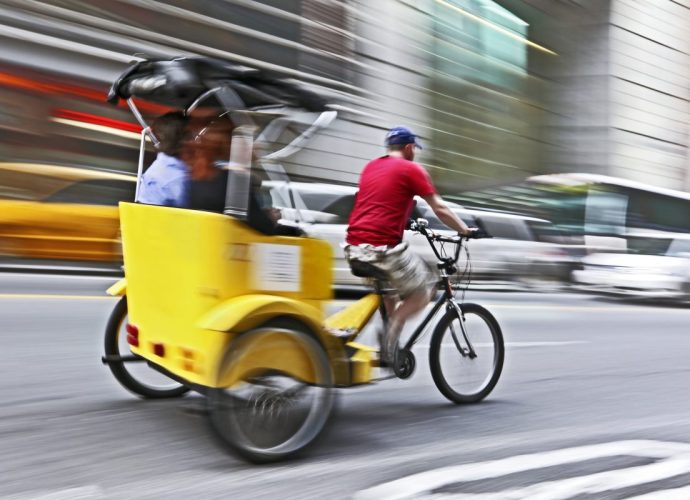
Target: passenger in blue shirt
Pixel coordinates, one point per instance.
(166, 181)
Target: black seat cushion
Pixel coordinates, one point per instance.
(366, 270)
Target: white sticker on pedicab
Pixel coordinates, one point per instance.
(276, 267)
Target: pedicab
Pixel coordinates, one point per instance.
(210, 304)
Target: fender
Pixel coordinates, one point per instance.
(118, 289)
(247, 311)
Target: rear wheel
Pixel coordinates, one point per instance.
(135, 375)
(466, 370)
(270, 412)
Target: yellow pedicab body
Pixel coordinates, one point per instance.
(195, 280)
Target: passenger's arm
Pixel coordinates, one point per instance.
(446, 215)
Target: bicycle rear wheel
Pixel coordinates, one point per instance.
(465, 375)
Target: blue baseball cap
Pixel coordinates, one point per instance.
(401, 135)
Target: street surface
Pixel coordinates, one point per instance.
(591, 404)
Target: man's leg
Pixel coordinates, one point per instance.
(410, 276)
(410, 306)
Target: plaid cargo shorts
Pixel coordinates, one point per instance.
(404, 269)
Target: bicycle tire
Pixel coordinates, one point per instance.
(475, 316)
(119, 369)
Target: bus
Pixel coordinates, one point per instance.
(589, 206)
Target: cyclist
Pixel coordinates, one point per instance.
(383, 204)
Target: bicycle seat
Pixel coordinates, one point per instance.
(366, 270)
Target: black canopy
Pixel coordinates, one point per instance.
(179, 82)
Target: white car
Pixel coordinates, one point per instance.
(520, 248)
(660, 273)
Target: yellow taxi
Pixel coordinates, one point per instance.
(57, 212)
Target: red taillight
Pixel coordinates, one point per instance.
(159, 350)
(132, 335)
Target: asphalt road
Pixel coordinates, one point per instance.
(592, 404)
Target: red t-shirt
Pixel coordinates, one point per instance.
(387, 188)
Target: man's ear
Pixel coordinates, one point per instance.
(408, 151)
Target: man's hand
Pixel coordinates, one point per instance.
(477, 232)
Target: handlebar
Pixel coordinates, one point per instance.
(422, 226)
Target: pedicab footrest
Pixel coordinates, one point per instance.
(363, 359)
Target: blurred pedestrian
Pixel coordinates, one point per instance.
(166, 181)
(383, 204)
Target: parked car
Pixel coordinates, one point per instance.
(655, 267)
(56, 212)
(523, 248)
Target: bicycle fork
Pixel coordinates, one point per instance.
(464, 351)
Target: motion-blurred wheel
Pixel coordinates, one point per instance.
(280, 395)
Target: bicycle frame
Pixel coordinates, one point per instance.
(447, 267)
(420, 328)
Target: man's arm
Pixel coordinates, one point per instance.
(446, 215)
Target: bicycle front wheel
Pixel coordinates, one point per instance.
(466, 354)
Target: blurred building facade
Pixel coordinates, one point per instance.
(497, 89)
(620, 86)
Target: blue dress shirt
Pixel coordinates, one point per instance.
(166, 182)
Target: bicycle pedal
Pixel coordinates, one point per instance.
(342, 333)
